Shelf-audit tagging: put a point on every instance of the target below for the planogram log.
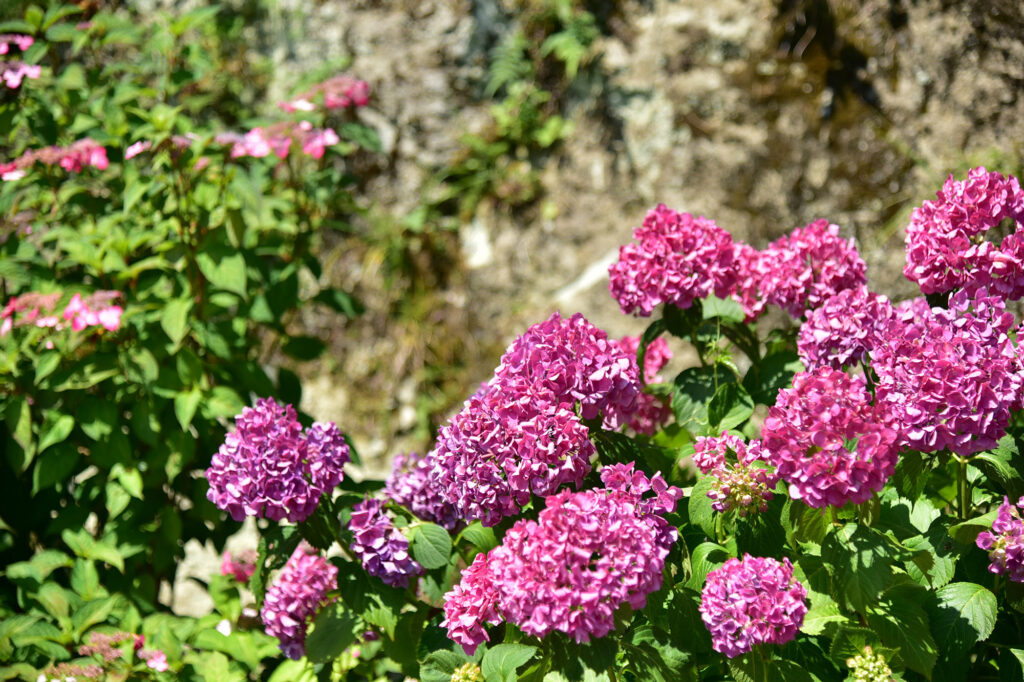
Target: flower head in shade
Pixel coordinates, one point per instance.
(380, 546)
(239, 565)
(807, 266)
(844, 329)
(827, 440)
(270, 469)
(411, 486)
(944, 248)
(587, 554)
(652, 412)
(740, 483)
(675, 258)
(295, 596)
(948, 378)
(1005, 543)
(752, 601)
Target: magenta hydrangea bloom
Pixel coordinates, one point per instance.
(1005, 544)
(740, 482)
(751, 601)
(411, 486)
(804, 268)
(943, 252)
(844, 329)
(676, 258)
(295, 597)
(380, 546)
(587, 554)
(652, 412)
(827, 440)
(948, 378)
(270, 469)
(747, 291)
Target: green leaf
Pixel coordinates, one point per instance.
(239, 645)
(479, 536)
(899, 619)
(93, 612)
(174, 318)
(705, 558)
(803, 523)
(47, 363)
(56, 428)
(862, 565)
(694, 389)
(85, 580)
(431, 546)
(500, 662)
(730, 407)
(334, 629)
(823, 611)
(653, 331)
(97, 418)
(382, 615)
(699, 505)
(362, 135)
(304, 347)
(224, 270)
(753, 668)
(18, 415)
(85, 546)
(774, 372)
(54, 465)
(185, 405)
(726, 309)
(341, 302)
(54, 599)
(439, 666)
(967, 531)
(963, 615)
(681, 323)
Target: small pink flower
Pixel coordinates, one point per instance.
(155, 659)
(137, 148)
(110, 317)
(299, 104)
(318, 140)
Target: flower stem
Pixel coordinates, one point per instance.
(963, 492)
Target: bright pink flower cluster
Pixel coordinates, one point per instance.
(411, 486)
(587, 554)
(1005, 544)
(295, 597)
(944, 248)
(107, 647)
(827, 440)
(270, 469)
(277, 139)
(94, 311)
(22, 42)
(38, 310)
(675, 259)
(844, 329)
(381, 547)
(12, 73)
(339, 92)
(73, 158)
(751, 601)
(948, 378)
(240, 565)
(740, 483)
(651, 412)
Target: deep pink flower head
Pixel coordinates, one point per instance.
(14, 72)
(844, 329)
(809, 265)
(411, 486)
(752, 601)
(339, 92)
(84, 152)
(240, 566)
(740, 482)
(295, 597)
(652, 412)
(944, 248)
(587, 554)
(948, 378)
(747, 291)
(136, 148)
(676, 258)
(270, 469)
(316, 141)
(381, 547)
(827, 441)
(1005, 544)
(19, 40)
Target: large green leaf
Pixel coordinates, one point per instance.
(729, 407)
(861, 562)
(963, 614)
(335, 628)
(431, 545)
(500, 662)
(694, 389)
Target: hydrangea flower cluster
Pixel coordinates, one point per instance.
(38, 310)
(827, 440)
(239, 565)
(752, 601)
(270, 469)
(468, 672)
(1005, 543)
(651, 412)
(587, 553)
(868, 666)
(74, 158)
(804, 268)
(411, 486)
(675, 259)
(740, 483)
(945, 250)
(948, 378)
(108, 648)
(747, 292)
(295, 597)
(339, 92)
(12, 72)
(62, 672)
(844, 329)
(381, 547)
(277, 139)
(18, 40)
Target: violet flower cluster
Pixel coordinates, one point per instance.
(411, 486)
(39, 310)
(844, 329)
(751, 601)
(295, 596)
(1005, 543)
(587, 554)
(339, 92)
(12, 71)
(270, 469)
(945, 245)
(380, 546)
(740, 483)
(828, 441)
(948, 378)
(74, 159)
(651, 411)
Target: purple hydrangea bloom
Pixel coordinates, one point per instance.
(270, 469)
(411, 486)
(587, 554)
(381, 547)
(295, 597)
(740, 483)
(827, 440)
(844, 329)
(676, 258)
(752, 601)
(1005, 544)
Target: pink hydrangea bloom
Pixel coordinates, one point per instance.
(339, 92)
(240, 566)
(1005, 543)
(137, 148)
(382, 549)
(652, 412)
(411, 486)
(295, 597)
(315, 142)
(95, 312)
(751, 601)
(676, 258)
(844, 329)
(155, 659)
(804, 268)
(827, 440)
(13, 73)
(948, 378)
(740, 483)
(270, 469)
(84, 152)
(587, 554)
(944, 251)
(747, 291)
(19, 40)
